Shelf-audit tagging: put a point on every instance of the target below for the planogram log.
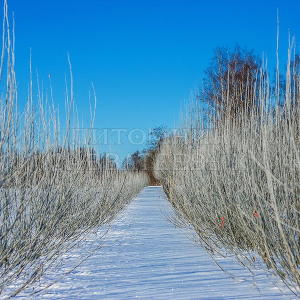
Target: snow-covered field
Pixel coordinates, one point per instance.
(145, 256)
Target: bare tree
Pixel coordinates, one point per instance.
(229, 85)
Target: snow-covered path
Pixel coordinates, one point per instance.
(145, 256)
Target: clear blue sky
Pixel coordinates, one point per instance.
(144, 57)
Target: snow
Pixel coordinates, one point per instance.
(144, 256)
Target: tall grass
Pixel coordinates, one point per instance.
(236, 181)
(53, 190)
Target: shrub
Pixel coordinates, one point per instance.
(237, 184)
(53, 189)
